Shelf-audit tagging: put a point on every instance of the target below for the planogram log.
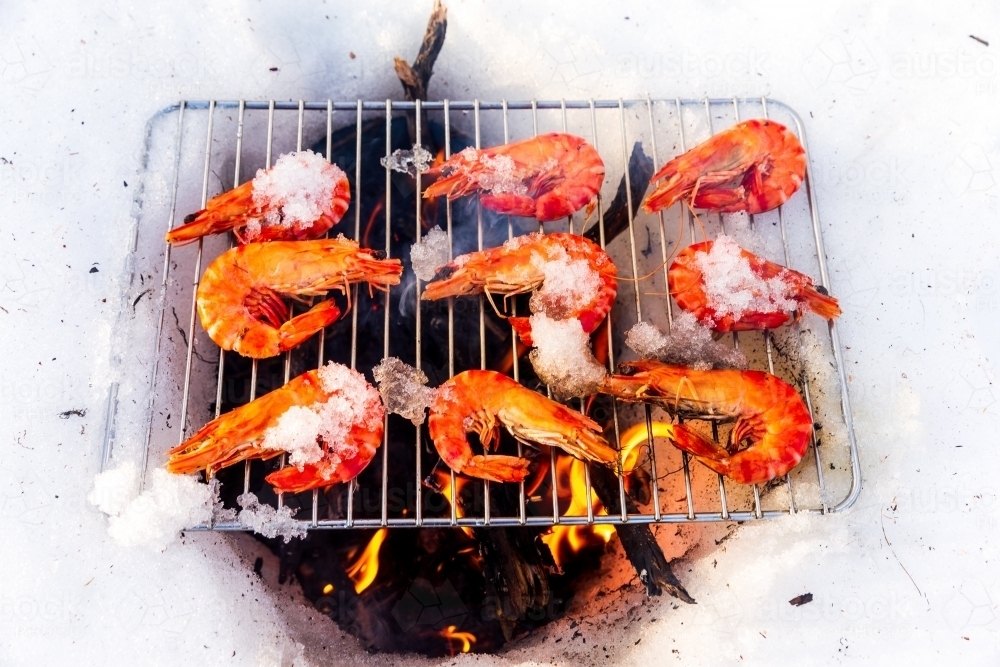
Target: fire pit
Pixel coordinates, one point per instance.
(173, 379)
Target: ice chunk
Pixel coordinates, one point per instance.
(430, 253)
(404, 389)
(169, 504)
(296, 191)
(408, 162)
(495, 175)
(301, 429)
(562, 357)
(687, 344)
(731, 286)
(267, 521)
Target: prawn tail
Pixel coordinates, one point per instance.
(696, 444)
(198, 225)
(522, 325)
(823, 305)
(497, 468)
(301, 327)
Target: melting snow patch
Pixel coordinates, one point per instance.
(562, 356)
(267, 521)
(430, 253)
(687, 344)
(404, 389)
(169, 504)
(408, 162)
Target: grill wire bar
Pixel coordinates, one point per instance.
(618, 113)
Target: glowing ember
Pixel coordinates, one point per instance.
(465, 639)
(565, 541)
(364, 570)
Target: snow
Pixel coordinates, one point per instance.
(687, 344)
(412, 162)
(562, 357)
(404, 389)
(156, 516)
(731, 286)
(567, 286)
(900, 109)
(431, 252)
(352, 403)
(496, 174)
(295, 192)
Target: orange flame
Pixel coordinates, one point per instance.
(466, 639)
(364, 570)
(564, 541)
(635, 438)
(444, 483)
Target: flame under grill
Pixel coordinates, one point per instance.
(676, 490)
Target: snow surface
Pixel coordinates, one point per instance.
(900, 109)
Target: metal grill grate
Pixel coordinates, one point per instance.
(656, 124)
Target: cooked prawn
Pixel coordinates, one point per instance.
(769, 413)
(571, 277)
(750, 293)
(480, 401)
(240, 295)
(301, 197)
(329, 419)
(548, 177)
(754, 166)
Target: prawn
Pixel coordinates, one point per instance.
(769, 413)
(330, 419)
(240, 295)
(754, 166)
(301, 197)
(547, 177)
(742, 292)
(479, 401)
(571, 277)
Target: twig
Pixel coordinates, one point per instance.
(416, 77)
(893, 552)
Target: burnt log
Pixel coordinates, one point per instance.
(638, 540)
(416, 77)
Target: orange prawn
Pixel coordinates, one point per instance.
(240, 295)
(769, 413)
(547, 177)
(754, 166)
(301, 197)
(741, 291)
(330, 419)
(571, 277)
(480, 401)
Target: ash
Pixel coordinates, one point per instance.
(430, 253)
(267, 521)
(413, 162)
(404, 389)
(687, 344)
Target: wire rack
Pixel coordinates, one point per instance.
(213, 138)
